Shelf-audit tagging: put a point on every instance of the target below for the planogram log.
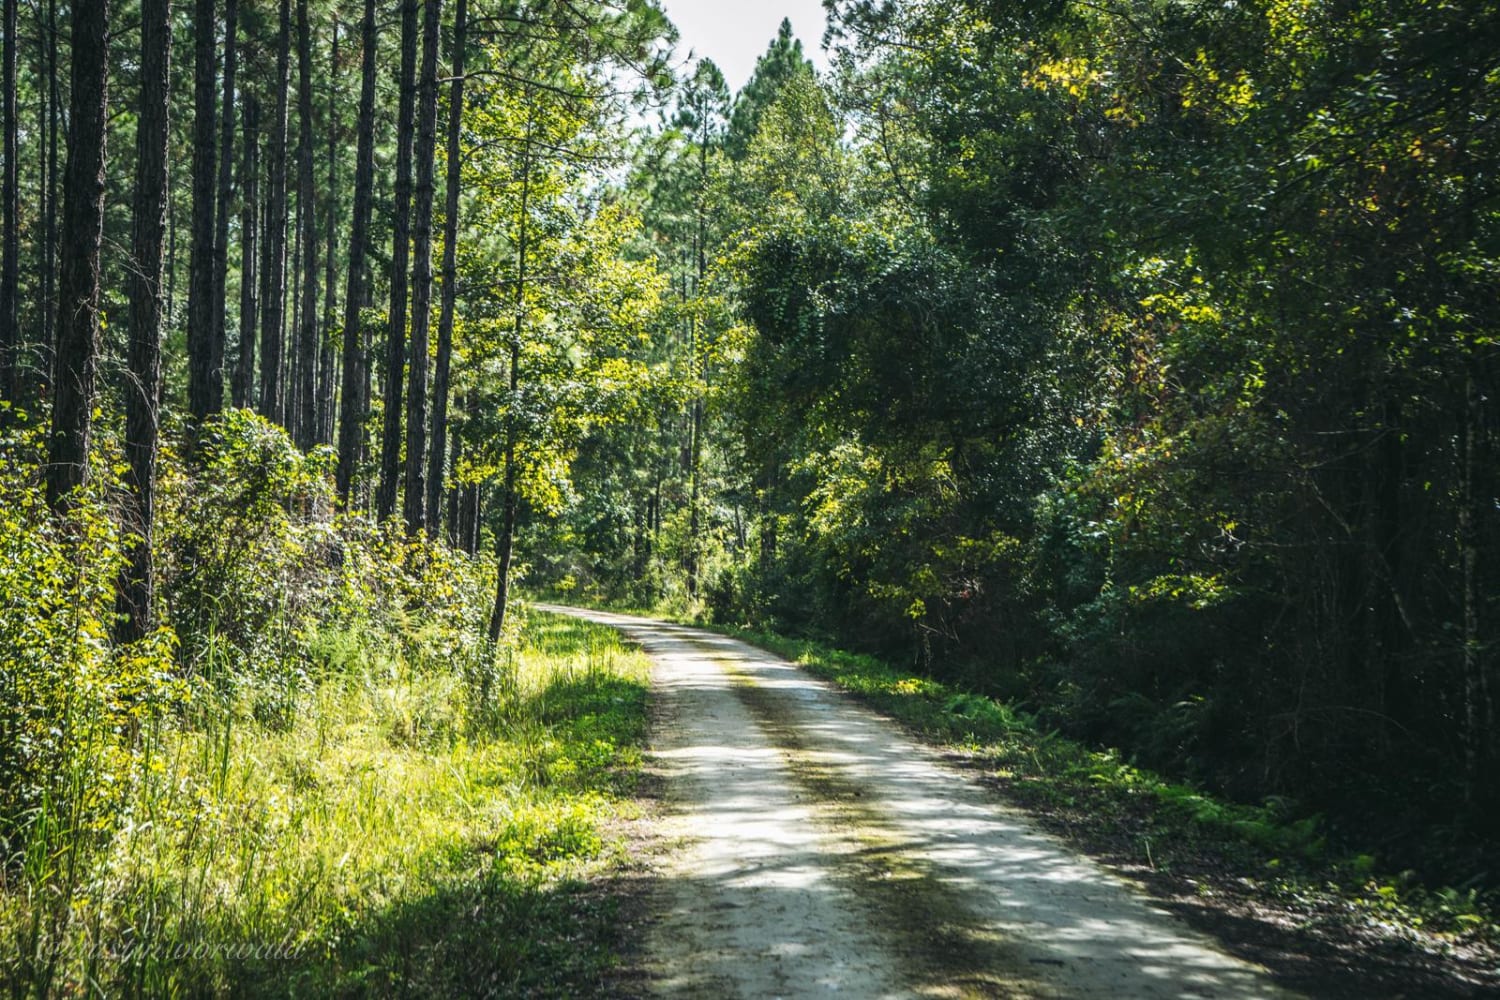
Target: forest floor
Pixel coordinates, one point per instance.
(806, 846)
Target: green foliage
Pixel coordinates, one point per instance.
(319, 742)
(1135, 362)
(241, 549)
(782, 65)
(72, 705)
(394, 831)
(551, 336)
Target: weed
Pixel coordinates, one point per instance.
(385, 837)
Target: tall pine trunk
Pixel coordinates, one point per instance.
(695, 425)
(305, 418)
(273, 268)
(10, 237)
(468, 519)
(244, 372)
(44, 115)
(49, 222)
(143, 385)
(454, 495)
(467, 515)
(1478, 706)
(205, 393)
(82, 231)
(509, 500)
(292, 324)
(225, 194)
(328, 360)
(395, 344)
(414, 508)
(352, 411)
(436, 475)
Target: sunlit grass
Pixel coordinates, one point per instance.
(417, 831)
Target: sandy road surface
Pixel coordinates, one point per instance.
(817, 850)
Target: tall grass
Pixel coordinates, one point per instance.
(415, 824)
(318, 776)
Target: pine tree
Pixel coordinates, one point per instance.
(143, 385)
(328, 358)
(273, 267)
(440, 386)
(395, 346)
(304, 413)
(10, 239)
(356, 354)
(205, 381)
(782, 62)
(82, 231)
(414, 508)
(225, 195)
(244, 371)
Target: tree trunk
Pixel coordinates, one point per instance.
(306, 422)
(504, 545)
(1478, 707)
(83, 229)
(49, 224)
(440, 387)
(695, 462)
(695, 428)
(44, 115)
(455, 494)
(395, 345)
(171, 245)
(226, 195)
(205, 394)
(292, 324)
(10, 237)
(327, 362)
(47, 179)
(468, 513)
(414, 508)
(244, 372)
(352, 410)
(509, 502)
(467, 517)
(143, 386)
(273, 269)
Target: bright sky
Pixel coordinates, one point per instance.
(734, 33)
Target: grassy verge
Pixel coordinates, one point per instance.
(407, 830)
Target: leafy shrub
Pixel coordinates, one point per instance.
(73, 706)
(241, 548)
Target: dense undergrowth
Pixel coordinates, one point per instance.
(318, 777)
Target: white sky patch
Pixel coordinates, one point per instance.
(734, 33)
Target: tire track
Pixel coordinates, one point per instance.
(818, 850)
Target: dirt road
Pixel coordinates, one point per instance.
(817, 850)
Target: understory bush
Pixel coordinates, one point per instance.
(319, 723)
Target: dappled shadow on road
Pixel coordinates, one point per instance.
(827, 852)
